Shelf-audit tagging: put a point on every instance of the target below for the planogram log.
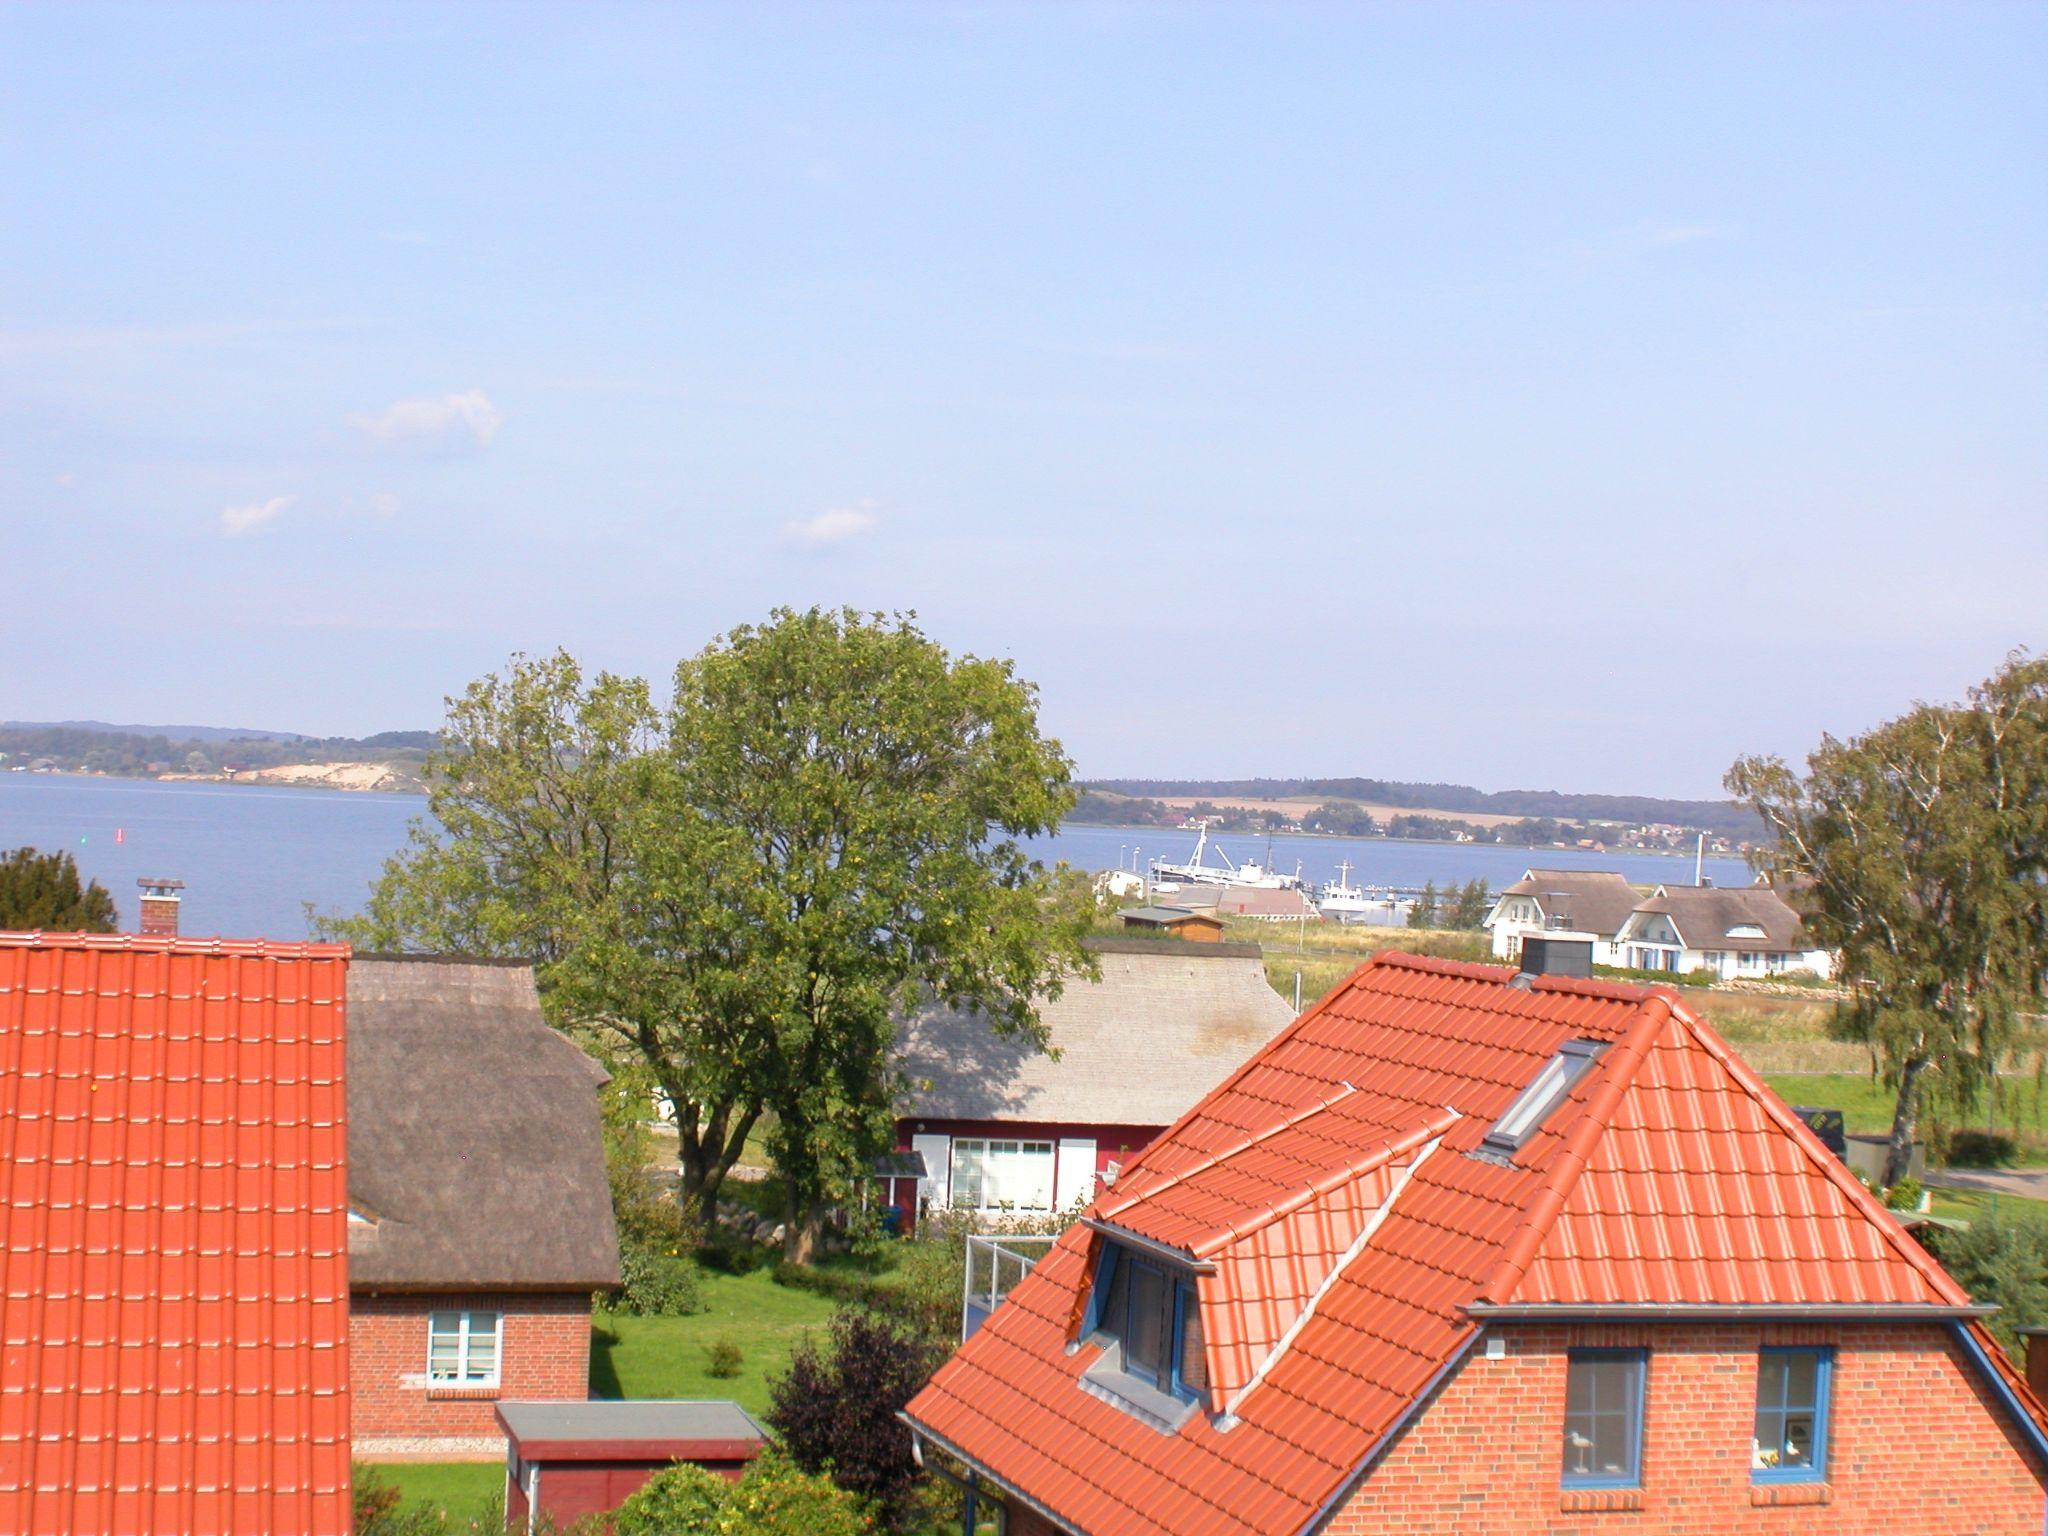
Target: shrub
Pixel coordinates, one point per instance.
(1905, 1195)
(722, 1360)
(655, 1283)
(733, 1255)
(775, 1498)
(2002, 1264)
(836, 1409)
(1981, 1149)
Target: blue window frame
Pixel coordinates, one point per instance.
(1154, 1315)
(1791, 1443)
(1603, 1418)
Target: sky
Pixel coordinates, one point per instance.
(1529, 396)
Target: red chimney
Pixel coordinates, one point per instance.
(159, 906)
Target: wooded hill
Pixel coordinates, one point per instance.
(1722, 816)
(93, 748)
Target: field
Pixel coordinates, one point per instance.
(668, 1356)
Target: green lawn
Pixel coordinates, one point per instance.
(666, 1356)
(1964, 1205)
(1865, 1103)
(460, 1488)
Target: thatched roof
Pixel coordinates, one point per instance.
(475, 1158)
(1165, 1024)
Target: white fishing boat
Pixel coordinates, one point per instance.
(1196, 872)
(1343, 900)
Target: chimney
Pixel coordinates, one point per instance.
(1545, 956)
(159, 906)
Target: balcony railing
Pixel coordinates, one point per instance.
(995, 1263)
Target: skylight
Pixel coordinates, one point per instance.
(1545, 1092)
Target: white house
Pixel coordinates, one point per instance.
(1563, 904)
(1734, 932)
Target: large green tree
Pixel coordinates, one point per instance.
(1919, 852)
(746, 889)
(43, 890)
(867, 792)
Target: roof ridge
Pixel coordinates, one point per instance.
(148, 943)
(1368, 1161)
(1615, 1074)
(1438, 965)
(1831, 1167)
(1607, 991)
(1241, 1145)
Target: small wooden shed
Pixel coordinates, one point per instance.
(570, 1459)
(1180, 922)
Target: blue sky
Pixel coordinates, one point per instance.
(1529, 396)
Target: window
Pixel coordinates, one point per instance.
(1532, 1106)
(1603, 1418)
(1153, 1317)
(1791, 1444)
(988, 1175)
(462, 1349)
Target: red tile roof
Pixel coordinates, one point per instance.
(173, 1280)
(1338, 1193)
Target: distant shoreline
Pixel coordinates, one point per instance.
(245, 780)
(1414, 842)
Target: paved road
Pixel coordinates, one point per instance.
(2027, 1183)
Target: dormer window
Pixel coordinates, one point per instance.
(1148, 1318)
(1533, 1105)
(1745, 931)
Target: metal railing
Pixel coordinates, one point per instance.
(995, 1263)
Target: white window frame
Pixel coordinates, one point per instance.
(466, 1334)
(989, 1148)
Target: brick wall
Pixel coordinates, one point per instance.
(394, 1416)
(1917, 1444)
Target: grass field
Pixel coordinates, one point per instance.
(668, 1356)
(461, 1489)
(1965, 1205)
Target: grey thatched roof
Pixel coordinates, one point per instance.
(1589, 900)
(473, 1142)
(1162, 1027)
(1706, 915)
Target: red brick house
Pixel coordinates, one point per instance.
(1002, 1125)
(479, 1218)
(173, 1276)
(1466, 1251)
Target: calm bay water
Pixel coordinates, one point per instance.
(252, 857)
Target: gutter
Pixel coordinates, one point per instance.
(1763, 1311)
(1172, 1255)
(1346, 1488)
(919, 1434)
(2030, 1427)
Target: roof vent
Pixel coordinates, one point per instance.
(1533, 1105)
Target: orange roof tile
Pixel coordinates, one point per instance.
(1345, 1222)
(173, 1265)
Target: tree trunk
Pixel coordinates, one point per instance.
(1905, 1121)
(803, 1224)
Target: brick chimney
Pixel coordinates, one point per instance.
(159, 906)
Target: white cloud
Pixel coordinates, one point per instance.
(833, 527)
(234, 520)
(433, 423)
(383, 504)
